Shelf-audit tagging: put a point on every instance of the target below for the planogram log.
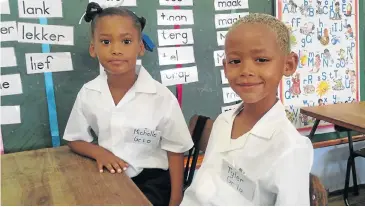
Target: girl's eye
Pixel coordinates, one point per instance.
(261, 60)
(106, 42)
(234, 62)
(127, 42)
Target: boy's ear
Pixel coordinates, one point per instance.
(92, 50)
(291, 64)
(142, 49)
(224, 66)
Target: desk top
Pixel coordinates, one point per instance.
(57, 176)
(348, 115)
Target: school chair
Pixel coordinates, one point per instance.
(200, 128)
(317, 192)
(350, 165)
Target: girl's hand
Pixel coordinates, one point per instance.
(108, 160)
(176, 201)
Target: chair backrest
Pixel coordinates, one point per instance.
(196, 126)
(317, 192)
(207, 128)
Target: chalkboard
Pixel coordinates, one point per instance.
(203, 97)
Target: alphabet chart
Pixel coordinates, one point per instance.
(325, 35)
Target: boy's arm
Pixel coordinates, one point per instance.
(292, 176)
(176, 166)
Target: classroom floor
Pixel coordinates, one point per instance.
(337, 200)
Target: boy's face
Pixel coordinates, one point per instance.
(116, 43)
(254, 63)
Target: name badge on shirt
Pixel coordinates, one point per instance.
(238, 180)
(146, 136)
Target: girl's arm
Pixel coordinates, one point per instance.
(176, 166)
(85, 148)
(103, 157)
(175, 140)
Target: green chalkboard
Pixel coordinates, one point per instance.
(203, 97)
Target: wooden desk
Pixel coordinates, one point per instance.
(57, 176)
(347, 115)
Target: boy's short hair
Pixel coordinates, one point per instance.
(277, 26)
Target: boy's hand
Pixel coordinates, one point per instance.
(108, 160)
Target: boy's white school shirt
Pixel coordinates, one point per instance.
(147, 112)
(270, 164)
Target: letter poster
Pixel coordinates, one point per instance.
(325, 35)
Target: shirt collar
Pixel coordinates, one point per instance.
(144, 83)
(267, 125)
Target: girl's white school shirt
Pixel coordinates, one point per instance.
(145, 124)
(269, 165)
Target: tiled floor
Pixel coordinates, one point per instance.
(337, 200)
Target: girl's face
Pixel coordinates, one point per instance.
(117, 44)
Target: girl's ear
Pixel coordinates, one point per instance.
(92, 50)
(141, 49)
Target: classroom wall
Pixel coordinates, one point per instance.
(32, 104)
(330, 165)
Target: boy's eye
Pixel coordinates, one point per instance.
(261, 60)
(106, 42)
(127, 42)
(234, 62)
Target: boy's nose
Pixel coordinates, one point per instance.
(246, 70)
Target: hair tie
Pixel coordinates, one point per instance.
(92, 10)
(142, 20)
(147, 42)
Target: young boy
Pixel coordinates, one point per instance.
(255, 156)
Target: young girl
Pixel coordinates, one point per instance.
(140, 127)
(255, 156)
